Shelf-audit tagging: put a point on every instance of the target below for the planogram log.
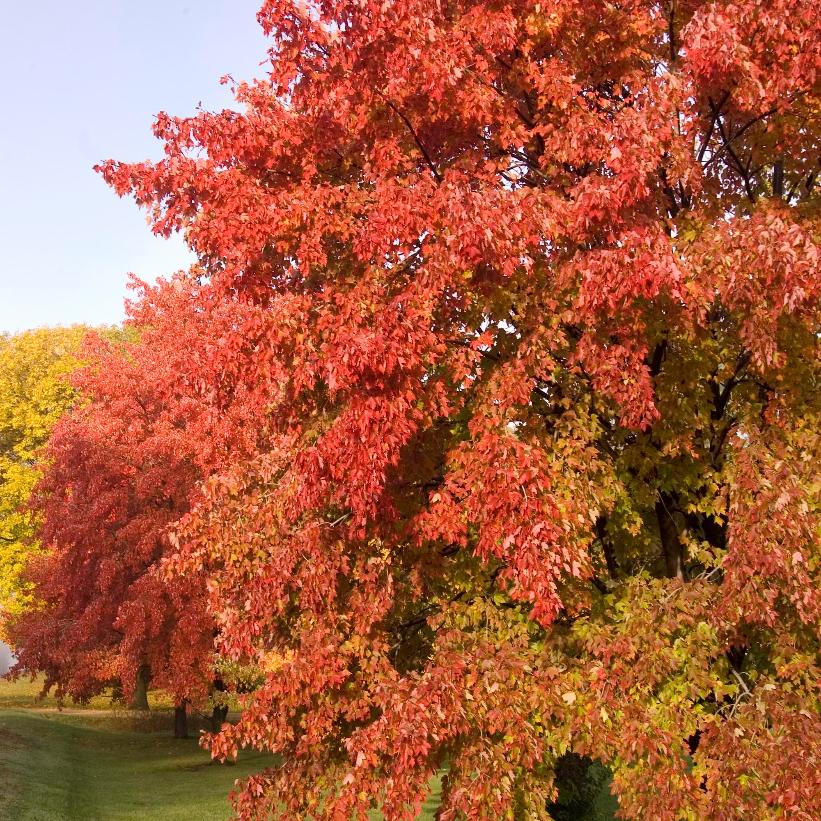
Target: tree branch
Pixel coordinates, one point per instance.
(722, 396)
(725, 140)
(436, 175)
(709, 135)
(656, 360)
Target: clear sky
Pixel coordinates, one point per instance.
(81, 82)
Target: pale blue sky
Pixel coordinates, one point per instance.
(81, 82)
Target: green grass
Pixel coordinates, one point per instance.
(25, 694)
(98, 762)
(58, 767)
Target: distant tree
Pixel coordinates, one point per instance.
(532, 293)
(34, 393)
(121, 467)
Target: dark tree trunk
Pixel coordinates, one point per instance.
(139, 700)
(181, 721)
(671, 547)
(778, 179)
(607, 548)
(218, 716)
(716, 533)
(444, 795)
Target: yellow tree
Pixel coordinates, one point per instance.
(34, 393)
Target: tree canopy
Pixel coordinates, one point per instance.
(34, 393)
(121, 467)
(499, 370)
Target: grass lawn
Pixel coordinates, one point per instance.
(101, 764)
(67, 767)
(97, 764)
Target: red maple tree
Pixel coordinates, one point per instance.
(122, 467)
(531, 292)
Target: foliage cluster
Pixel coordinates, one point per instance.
(34, 393)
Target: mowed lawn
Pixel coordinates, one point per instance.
(100, 764)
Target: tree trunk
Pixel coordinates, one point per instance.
(778, 179)
(181, 721)
(671, 546)
(139, 699)
(444, 794)
(218, 716)
(607, 548)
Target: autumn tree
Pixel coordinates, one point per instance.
(532, 293)
(34, 393)
(122, 467)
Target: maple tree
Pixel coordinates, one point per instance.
(121, 467)
(34, 393)
(523, 316)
